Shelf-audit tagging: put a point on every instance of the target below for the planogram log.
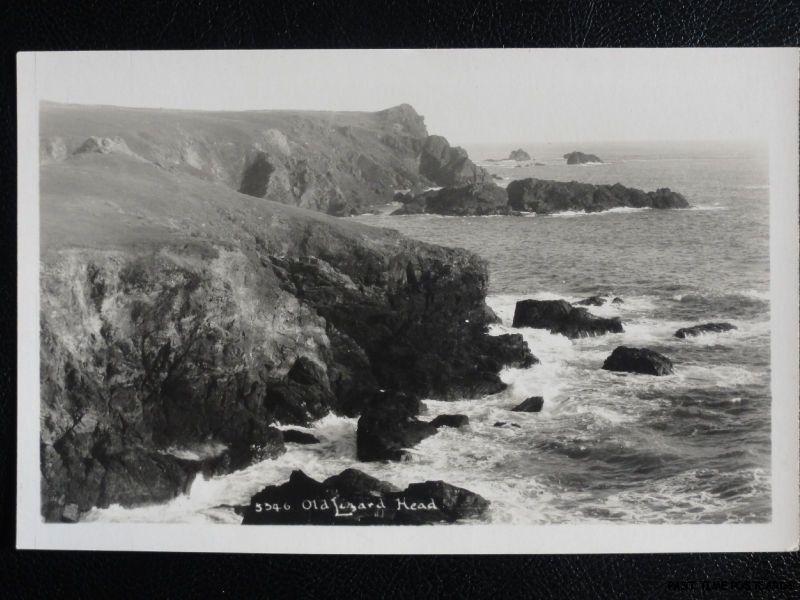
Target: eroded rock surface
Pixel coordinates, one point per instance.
(638, 360)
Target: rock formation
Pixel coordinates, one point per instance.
(532, 404)
(448, 166)
(180, 319)
(450, 421)
(559, 316)
(519, 155)
(579, 158)
(638, 360)
(476, 199)
(299, 437)
(355, 498)
(546, 197)
(388, 426)
(592, 301)
(695, 330)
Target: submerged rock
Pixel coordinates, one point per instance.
(450, 421)
(695, 330)
(543, 196)
(638, 360)
(559, 316)
(504, 424)
(355, 498)
(299, 437)
(579, 158)
(592, 301)
(532, 404)
(477, 199)
(388, 426)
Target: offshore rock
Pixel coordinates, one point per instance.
(559, 316)
(579, 158)
(543, 196)
(592, 301)
(355, 498)
(299, 437)
(696, 330)
(450, 421)
(532, 404)
(519, 155)
(638, 360)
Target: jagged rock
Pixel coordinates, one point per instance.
(450, 421)
(546, 197)
(592, 301)
(519, 155)
(468, 200)
(299, 437)
(695, 330)
(617, 300)
(638, 360)
(579, 158)
(448, 166)
(389, 426)
(559, 316)
(355, 498)
(532, 404)
(504, 424)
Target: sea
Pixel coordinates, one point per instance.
(691, 447)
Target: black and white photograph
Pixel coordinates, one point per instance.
(467, 300)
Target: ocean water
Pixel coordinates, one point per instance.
(692, 447)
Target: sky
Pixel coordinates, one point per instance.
(469, 96)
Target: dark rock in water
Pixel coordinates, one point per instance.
(299, 437)
(579, 158)
(504, 424)
(355, 498)
(446, 165)
(251, 448)
(695, 330)
(592, 301)
(519, 155)
(450, 421)
(476, 199)
(547, 197)
(617, 300)
(388, 426)
(638, 360)
(539, 164)
(559, 316)
(496, 177)
(509, 349)
(532, 404)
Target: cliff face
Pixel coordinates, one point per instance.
(339, 163)
(181, 319)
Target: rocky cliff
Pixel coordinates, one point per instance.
(181, 319)
(340, 163)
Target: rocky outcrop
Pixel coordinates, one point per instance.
(180, 320)
(450, 421)
(475, 199)
(339, 163)
(519, 155)
(295, 436)
(579, 158)
(559, 316)
(448, 166)
(355, 498)
(696, 330)
(532, 404)
(638, 360)
(506, 425)
(389, 426)
(547, 197)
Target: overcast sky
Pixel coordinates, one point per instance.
(469, 96)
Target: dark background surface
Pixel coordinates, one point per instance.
(92, 25)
